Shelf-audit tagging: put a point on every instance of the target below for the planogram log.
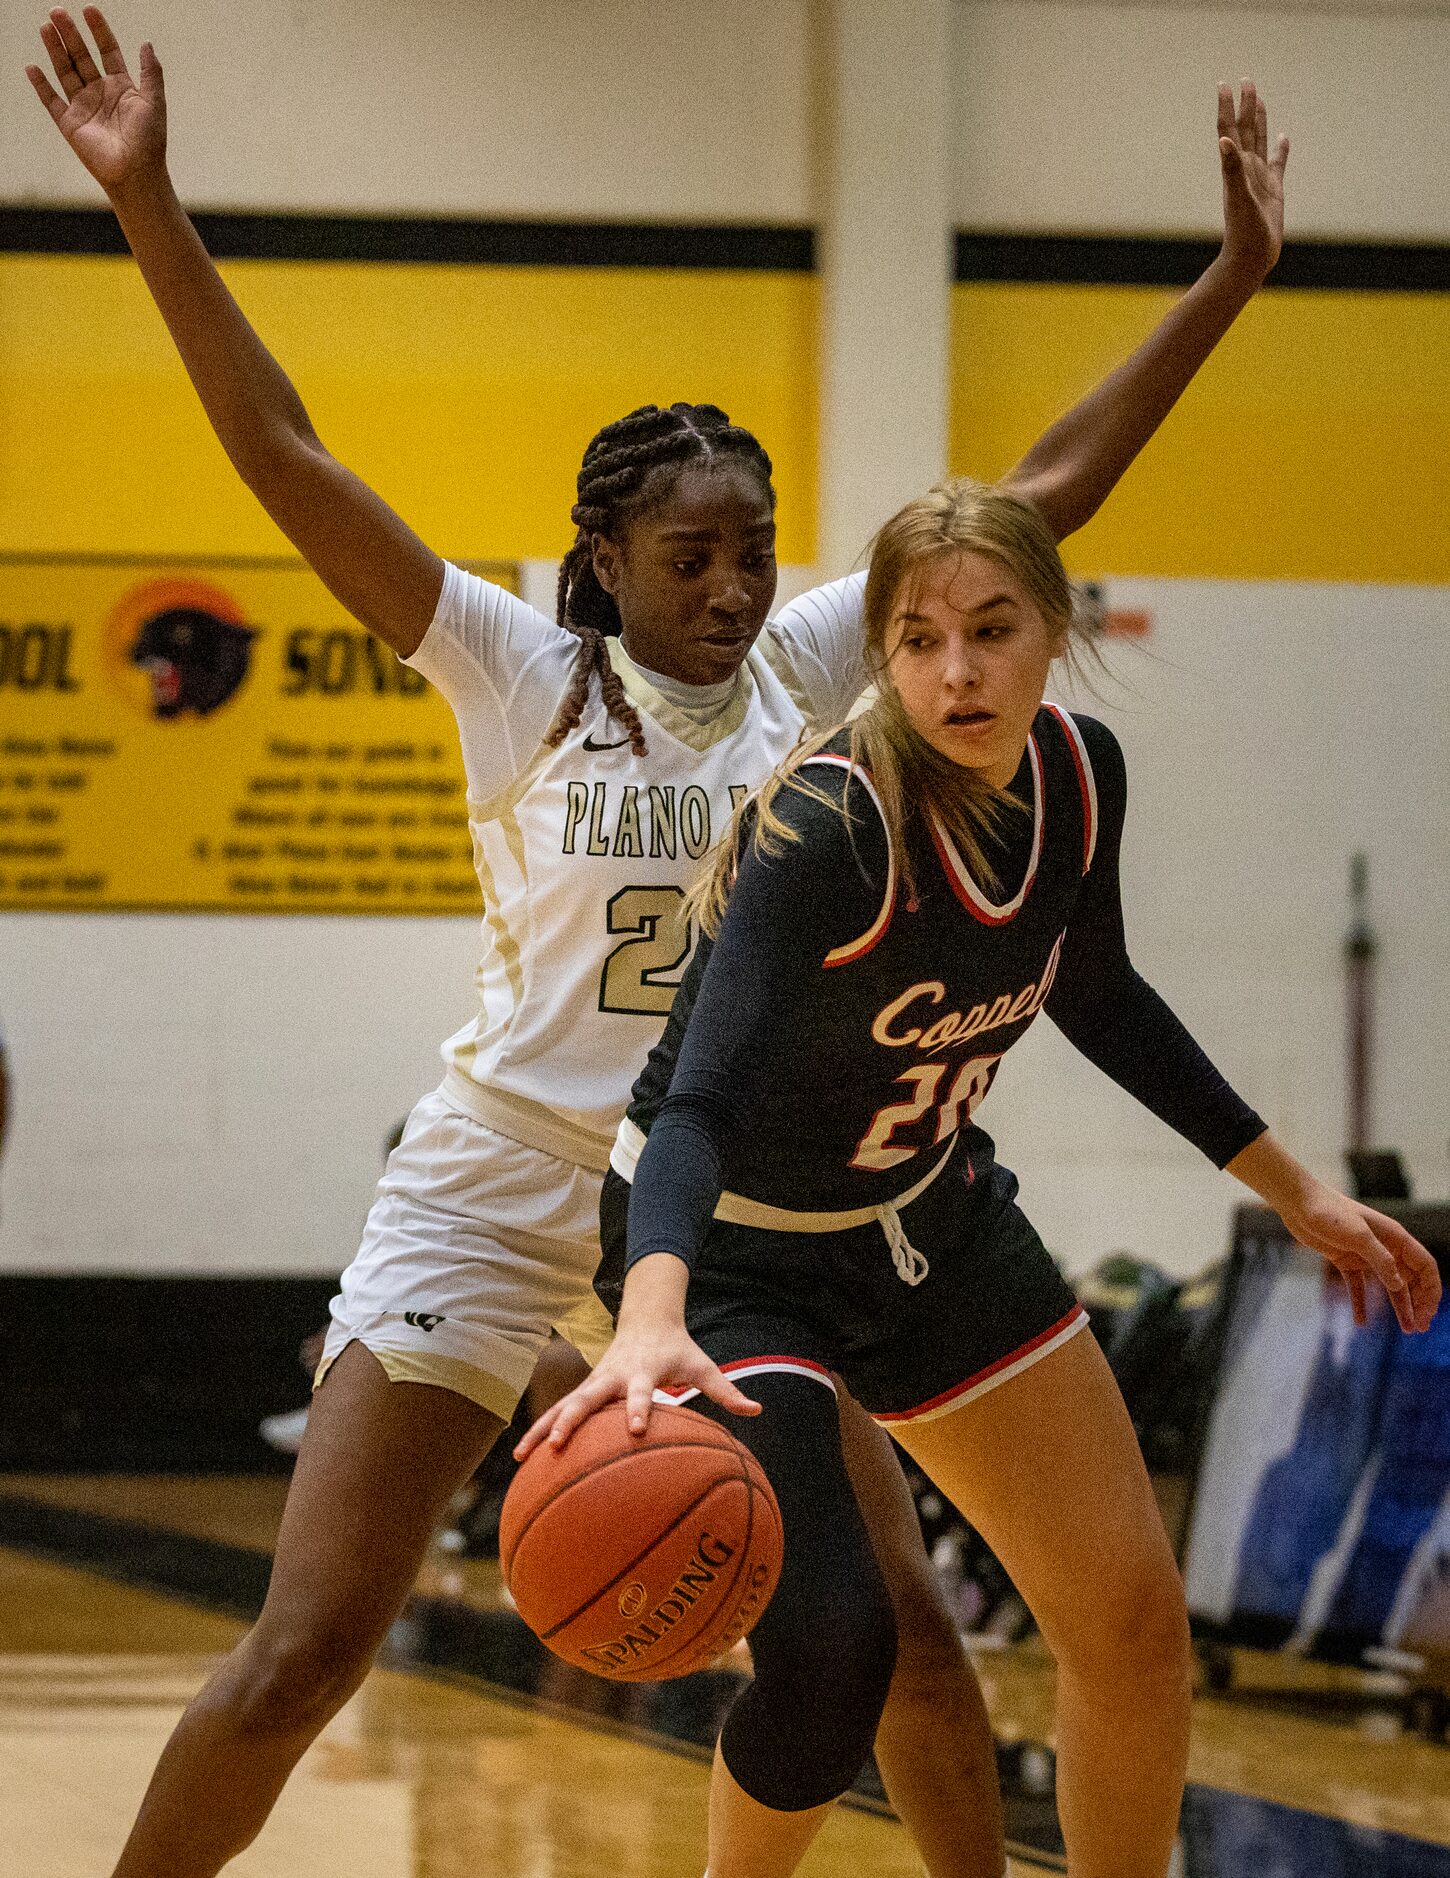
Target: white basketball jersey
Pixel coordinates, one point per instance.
(585, 852)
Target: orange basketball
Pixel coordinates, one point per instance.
(641, 1557)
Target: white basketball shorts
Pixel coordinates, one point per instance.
(476, 1247)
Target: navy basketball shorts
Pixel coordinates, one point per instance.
(989, 1304)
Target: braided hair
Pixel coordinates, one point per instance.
(613, 484)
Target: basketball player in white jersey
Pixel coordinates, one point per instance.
(603, 754)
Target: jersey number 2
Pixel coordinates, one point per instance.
(634, 977)
(968, 1086)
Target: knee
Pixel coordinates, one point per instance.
(1137, 1635)
(838, 1656)
(284, 1681)
(929, 1649)
(1159, 1650)
(875, 1648)
(806, 1727)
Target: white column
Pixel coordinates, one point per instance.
(885, 259)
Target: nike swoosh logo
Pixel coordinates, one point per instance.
(590, 744)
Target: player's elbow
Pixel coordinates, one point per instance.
(1059, 496)
(280, 462)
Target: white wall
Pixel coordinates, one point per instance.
(1100, 119)
(1069, 117)
(884, 248)
(638, 109)
(1270, 731)
(211, 1095)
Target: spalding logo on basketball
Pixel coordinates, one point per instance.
(641, 1557)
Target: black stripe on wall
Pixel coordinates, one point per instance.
(107, 1374)
(1159, 261)
(439, 239)
(1082, 260)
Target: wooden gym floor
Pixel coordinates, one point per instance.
(472, 1753)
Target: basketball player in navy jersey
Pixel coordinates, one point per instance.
(602, 752)
(811, 1198)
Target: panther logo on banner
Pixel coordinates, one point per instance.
(188, 643)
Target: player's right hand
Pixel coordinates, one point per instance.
(640, 1360)
(116, 127)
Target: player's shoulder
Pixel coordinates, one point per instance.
(834, 788)
(824, 824)
(489, 614)
(815, 646)
(1089, 737)
(1100, 774)
(835, 603)
(820, 854)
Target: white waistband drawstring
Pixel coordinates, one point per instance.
(911, 1266)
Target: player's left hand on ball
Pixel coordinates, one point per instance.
(636, 1364)
(1253, 181)
(1363, 1246)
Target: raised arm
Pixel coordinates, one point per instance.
(1073, 467)
(365, 554)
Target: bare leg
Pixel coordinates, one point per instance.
(748, 1840)
(934, 1744)
(378, 1465)
(559, 1369)
(1048, 1470)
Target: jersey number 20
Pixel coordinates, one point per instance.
(966, 1090)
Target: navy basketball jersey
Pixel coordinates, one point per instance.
(834, 1041)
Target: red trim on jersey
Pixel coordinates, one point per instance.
(856, 949)
(984, 1375)
(1085, 782)
(955, 868)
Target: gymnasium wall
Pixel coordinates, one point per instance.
(203, 1094)
(1072, 116)
(1084, 117)
(583, 109)
(1271, 729)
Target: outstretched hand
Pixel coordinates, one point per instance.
(637, 1363)
(1363, 1245)
(1253, 181)
(116, 127)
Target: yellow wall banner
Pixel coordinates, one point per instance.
(218, 737)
